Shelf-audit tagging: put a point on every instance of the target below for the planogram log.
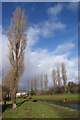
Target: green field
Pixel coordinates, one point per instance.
(73, 98)
(30, 109)
(40, 110)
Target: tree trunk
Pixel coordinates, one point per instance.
(14, 105)
(14, 99)
(54, 90)
(65, 88)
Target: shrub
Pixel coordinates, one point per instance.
(35, 100)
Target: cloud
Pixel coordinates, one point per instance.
(72, 68)
(49, 28)
(33, 35)
(55, 10)
(42, 61)
(46, 29)
(64, 48)
(73, 6)
(5, 60)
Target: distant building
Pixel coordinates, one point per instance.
(19, 94)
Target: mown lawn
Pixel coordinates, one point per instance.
(73, 98)
(29, 109)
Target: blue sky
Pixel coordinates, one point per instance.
(0, 13)
(52, 32)
(37, 13)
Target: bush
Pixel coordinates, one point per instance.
(30, 98)
(24, 97)
(35, 100)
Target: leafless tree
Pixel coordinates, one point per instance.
(28, 84)
(46, 81)
(41, 82)
(64, 76)
(58, 76)
(17, 44)
(35, 84)
(54, 77)
(32, 86)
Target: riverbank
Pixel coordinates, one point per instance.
(31, 109)
(70, 98)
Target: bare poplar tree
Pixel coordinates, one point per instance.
(58, 76)
(28, 87)
(46, 81)
(17, 45)
(41, 82)
(32, 85)
(64, 76)
(54, 77)
(35, 84)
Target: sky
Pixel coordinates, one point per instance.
(52, 34)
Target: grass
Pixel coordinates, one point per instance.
(73, 98)
(10, 102)
(29, 109)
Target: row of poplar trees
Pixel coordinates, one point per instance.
(42, 81)
(57, 78)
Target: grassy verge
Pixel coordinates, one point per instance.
(72, 98)
(31, 109)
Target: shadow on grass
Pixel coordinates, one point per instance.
(6, 106)
(20, 103)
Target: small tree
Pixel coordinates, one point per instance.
(58, 76)
(64, 77)
(35, 85)
(32, 85)
(41, 82)
(28, 85)
(46, 81)
(54, 79)
(17, 45)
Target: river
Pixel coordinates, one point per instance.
(69, 105)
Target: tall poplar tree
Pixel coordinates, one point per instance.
(54, 79)
(64, 77)
(17, 44)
